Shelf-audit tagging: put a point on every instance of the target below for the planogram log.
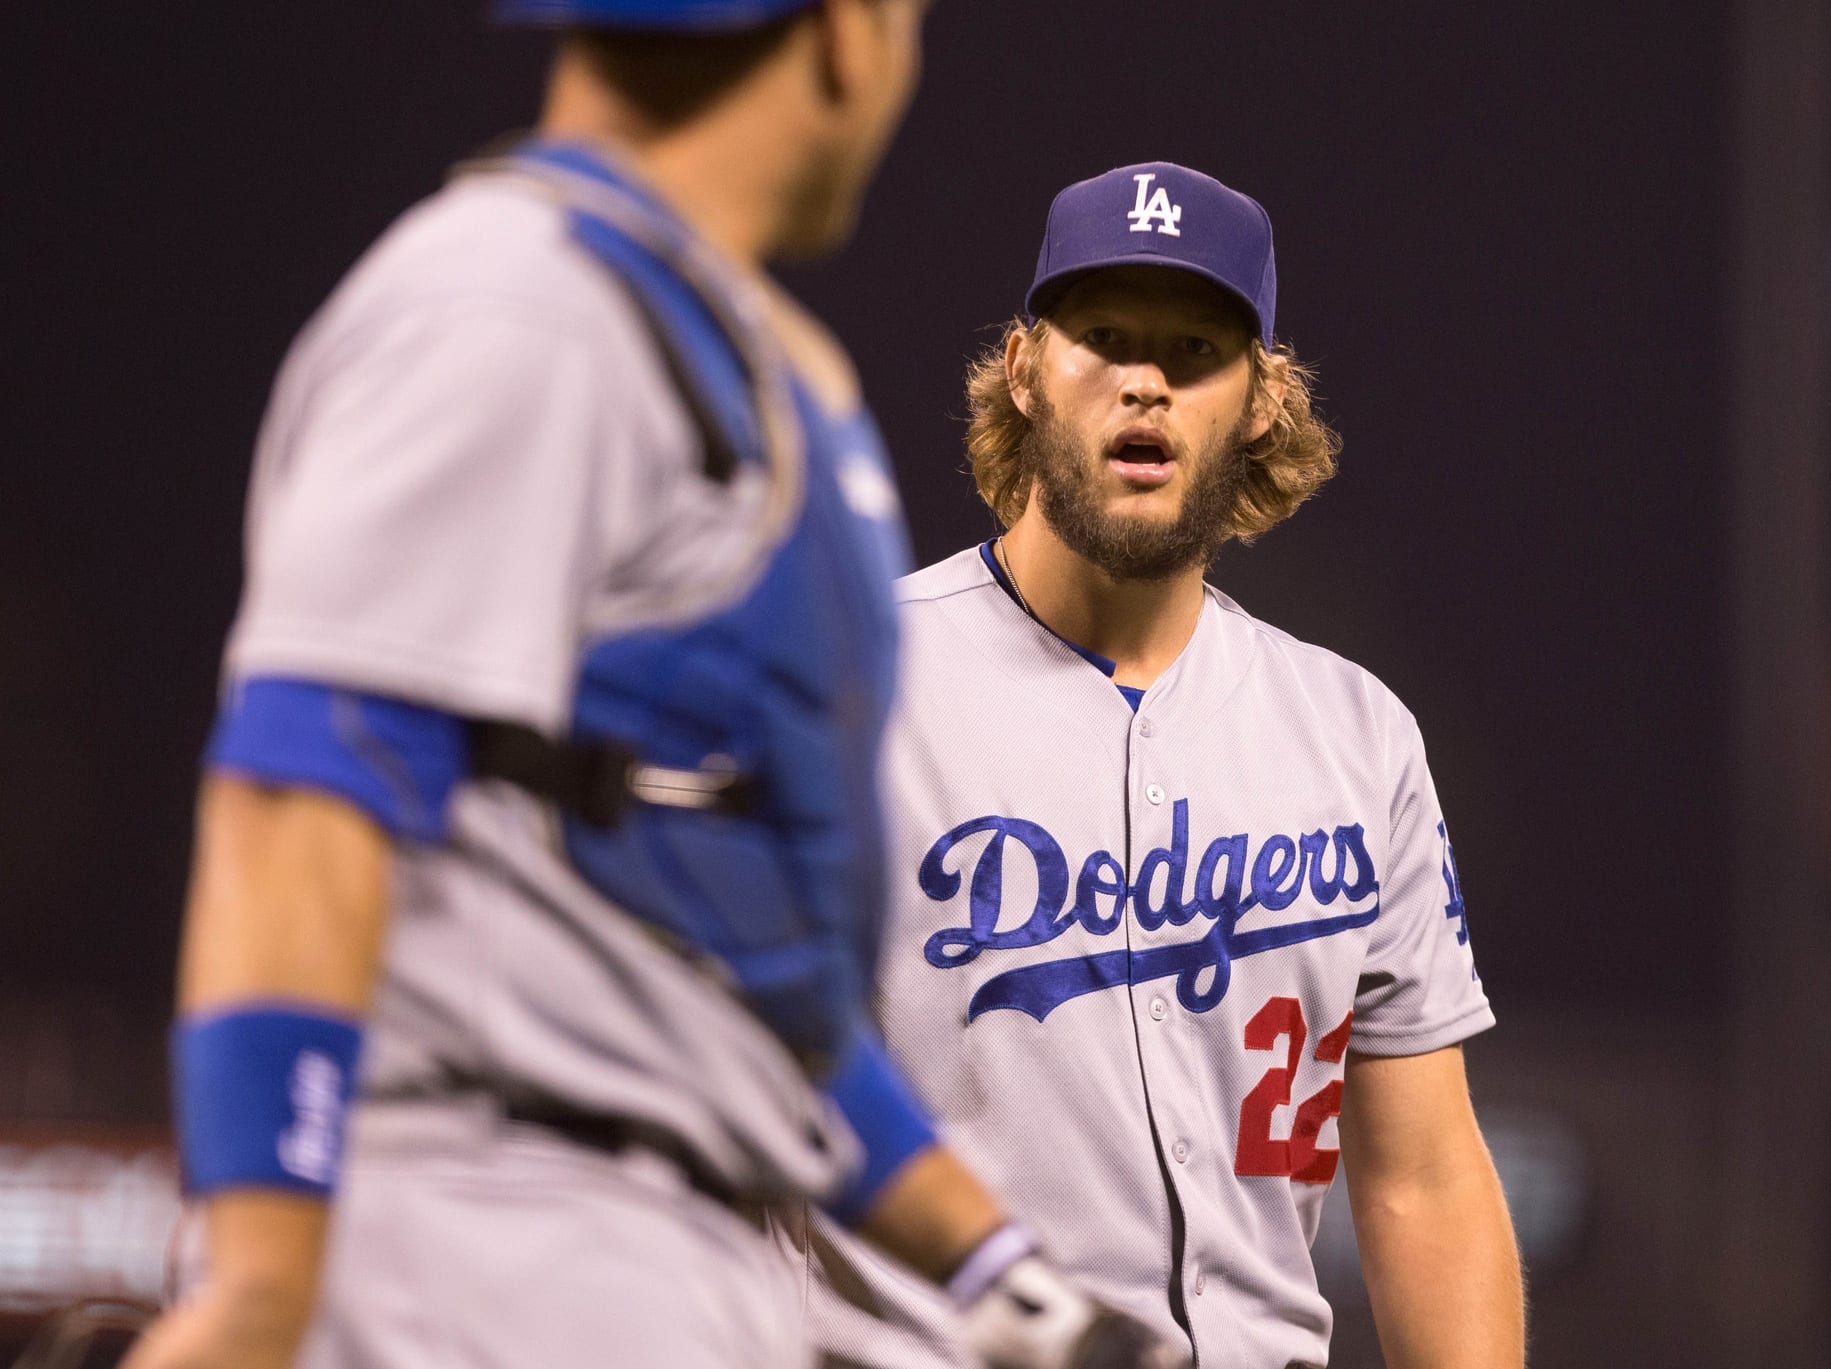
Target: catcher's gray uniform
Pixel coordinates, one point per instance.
(1128, 951)
(479, 494)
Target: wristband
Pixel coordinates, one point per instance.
(260, 1093)
(989, 1260)
(890, 1122)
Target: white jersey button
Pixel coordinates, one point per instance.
(1159, 1008)
(1154, 792)
(1201, 1282)
(1144, 727)
(1181, 1151)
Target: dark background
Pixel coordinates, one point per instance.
(1498, 241)
(1506, 239)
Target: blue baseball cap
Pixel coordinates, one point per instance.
(1159, 214)
(660, 16)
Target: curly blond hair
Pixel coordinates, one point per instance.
(1285, 465)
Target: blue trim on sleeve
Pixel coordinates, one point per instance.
(878, 1103)
(260, 1096)
(398, 762)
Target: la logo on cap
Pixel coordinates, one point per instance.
(1154, 206)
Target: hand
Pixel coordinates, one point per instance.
(1030, 1317)
(221, 1329)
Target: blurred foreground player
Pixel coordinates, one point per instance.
(543, 800)
(1170, 891)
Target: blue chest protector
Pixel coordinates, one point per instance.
(791, 684)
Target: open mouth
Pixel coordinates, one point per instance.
(1141, 457)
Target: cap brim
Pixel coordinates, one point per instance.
(1047, 292)
(647, 16)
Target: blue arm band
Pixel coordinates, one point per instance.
(872, 1094)
(260, 1096)
(396, 761)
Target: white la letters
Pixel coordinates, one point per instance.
(1154, 206)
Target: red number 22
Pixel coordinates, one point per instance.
(1300, 1157)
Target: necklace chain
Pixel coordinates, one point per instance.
(1004, 559)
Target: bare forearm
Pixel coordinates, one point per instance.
(1436, 1243)
(287, 903)
(1443, 1270)
(932, 1214)
(287, 900)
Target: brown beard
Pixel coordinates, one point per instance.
(1063, 472)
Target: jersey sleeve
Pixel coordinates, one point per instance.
(1418, 988)
(396, 761)
(426, 511)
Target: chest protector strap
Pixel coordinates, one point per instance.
(597, 780)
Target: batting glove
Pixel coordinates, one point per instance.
(1020, 1313)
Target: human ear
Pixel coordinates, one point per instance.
(1269, 386)
(1021, 346)
(849, 41)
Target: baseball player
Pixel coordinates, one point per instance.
(538, 871)
(1176, 931)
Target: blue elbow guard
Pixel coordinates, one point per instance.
(260, 1096)
(872, 1094)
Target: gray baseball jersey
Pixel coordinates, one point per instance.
(1129, 950)
(540, 476)
(474, 462)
